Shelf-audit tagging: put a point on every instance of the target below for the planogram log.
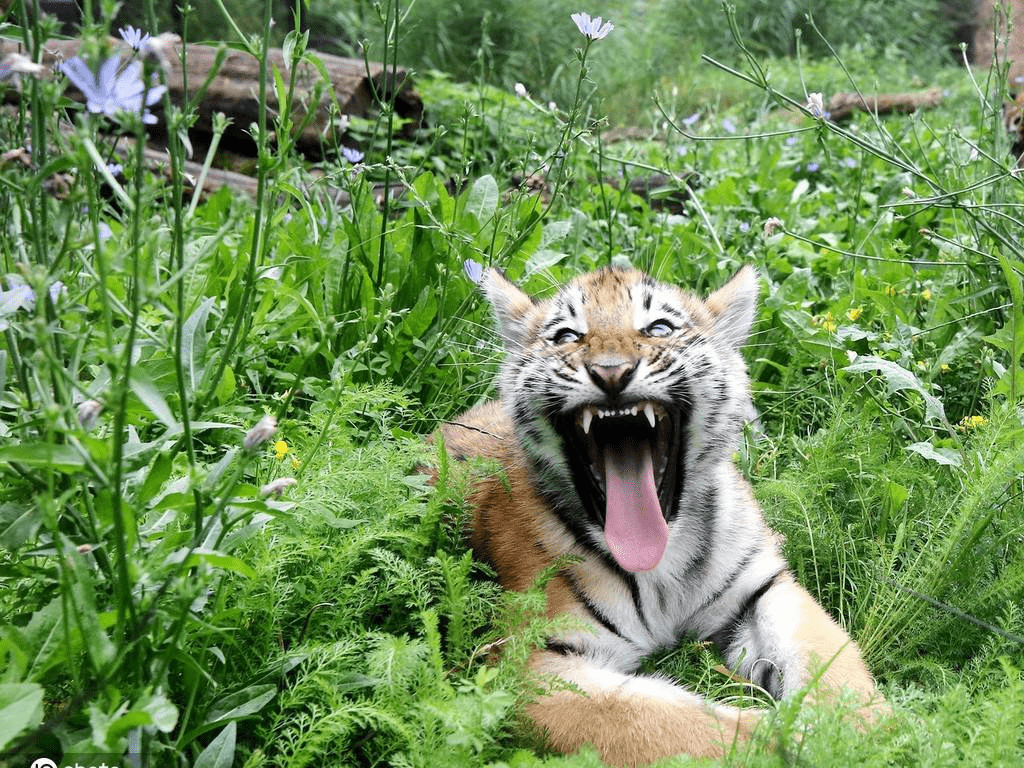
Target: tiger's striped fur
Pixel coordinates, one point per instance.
(610, 343)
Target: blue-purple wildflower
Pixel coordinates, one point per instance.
(591, 28)
(474, 271)
(109, 91)
(136, 38)
(352, 155)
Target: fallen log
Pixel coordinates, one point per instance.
(355, 88)
(842, 105)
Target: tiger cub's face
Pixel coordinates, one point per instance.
(627, 396)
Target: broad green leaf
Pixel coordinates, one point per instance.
(219, 753)
(482, 200)
(157, 475)
(43, 640)
(947, 456)
(554, 231)
(18, 524)
(897, 378)
(146, 391)
(162, 712)
(193, 344)
(63, 458)
(241, 704)
(21, 708)
(543, 258)
(212, 558)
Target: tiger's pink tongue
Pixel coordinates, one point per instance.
(634, 527)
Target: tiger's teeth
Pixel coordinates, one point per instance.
(586, 418)
(649, 413)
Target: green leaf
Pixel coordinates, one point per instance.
(157, 475)
(21, 708)
(62, 458)
(162, 712)
(226, 386)
(193, 344)
(212, 558)
(946, 456)
(897, 378)
(146, 391)
(241, 704)
(482, 200)
(18, 524)
(219, 753)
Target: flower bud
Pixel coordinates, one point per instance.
(263, 431)
(88, 412)
(276, 487)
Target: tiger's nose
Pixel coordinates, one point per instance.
(612, 379)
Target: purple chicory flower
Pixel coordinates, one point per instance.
(591, 28)
(17, 296)
(352, 155)
(474, 271)
(109, 91)
(136, 38)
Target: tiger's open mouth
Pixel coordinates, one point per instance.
(626, 466)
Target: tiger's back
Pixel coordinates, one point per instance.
(622, 402)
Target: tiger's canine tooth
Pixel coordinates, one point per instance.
(585, 419)
(649, 413)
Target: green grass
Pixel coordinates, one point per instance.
(157, 597)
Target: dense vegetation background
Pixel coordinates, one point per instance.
(216, 547)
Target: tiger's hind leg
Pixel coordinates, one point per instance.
(631, 720)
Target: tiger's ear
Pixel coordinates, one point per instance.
(511, 306)
(733, 307)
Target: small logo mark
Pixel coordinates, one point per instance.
(43, 762)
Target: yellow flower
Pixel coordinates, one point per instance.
(944, 368)
(890, 290)
(296, 463)
(828, 322)
(971, 422)
(926, 295)
(853, 315)
(280, 449)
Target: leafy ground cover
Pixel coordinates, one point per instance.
(217, 546)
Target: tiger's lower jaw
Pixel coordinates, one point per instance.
(626, 467)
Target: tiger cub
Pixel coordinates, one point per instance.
(622, 402)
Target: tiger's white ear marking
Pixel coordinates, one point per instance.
(511, 305)
(734, 306)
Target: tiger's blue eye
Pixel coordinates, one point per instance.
(660, 329)
(566, 336)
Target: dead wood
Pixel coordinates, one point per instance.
(842, 105)
(354, 88)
